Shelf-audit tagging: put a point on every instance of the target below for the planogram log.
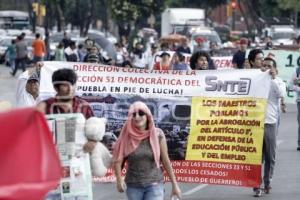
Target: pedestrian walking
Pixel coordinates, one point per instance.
(294, 84)
(270, 128)
(22, 54)
(11, 54)
(144, 148)
(39, 48)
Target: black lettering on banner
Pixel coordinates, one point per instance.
(290, 60)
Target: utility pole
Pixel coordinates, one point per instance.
(233, 8)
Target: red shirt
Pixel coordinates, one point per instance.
(79, 106)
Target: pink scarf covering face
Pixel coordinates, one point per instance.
(130, 136)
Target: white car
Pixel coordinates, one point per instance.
(282, 34)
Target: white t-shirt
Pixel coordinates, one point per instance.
(273, 107)
(23, 98)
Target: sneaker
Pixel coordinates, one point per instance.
(258, 192)
(267, 189)
(298, 148)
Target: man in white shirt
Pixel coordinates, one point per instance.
(27, 89)
(294, 85)
(270, 129)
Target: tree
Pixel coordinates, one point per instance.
(290, 5)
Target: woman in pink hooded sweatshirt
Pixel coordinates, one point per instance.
(144, 148)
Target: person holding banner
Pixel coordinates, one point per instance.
(295, 86)
(270, 129)
(255, 58)
(164, 63)
(201, 60)
(144, 148)
(65, 101)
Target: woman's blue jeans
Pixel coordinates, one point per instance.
(155, 191)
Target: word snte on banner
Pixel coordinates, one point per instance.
(213, 120)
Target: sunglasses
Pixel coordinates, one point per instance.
(140, 113)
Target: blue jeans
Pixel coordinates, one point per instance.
(154, 191)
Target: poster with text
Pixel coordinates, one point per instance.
(213, 120)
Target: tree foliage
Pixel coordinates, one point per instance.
(289, 4)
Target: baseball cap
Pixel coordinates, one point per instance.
(200, 39)
(243, 41)
(34, 76)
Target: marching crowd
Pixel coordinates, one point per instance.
(140, 120)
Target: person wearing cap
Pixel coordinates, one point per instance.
(65, 101)
(164, 63)
(200, 45)
(28, 89)
(238, 59)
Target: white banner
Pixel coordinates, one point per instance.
(95, 78)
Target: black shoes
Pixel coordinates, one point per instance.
(298, 148)
(257, 192)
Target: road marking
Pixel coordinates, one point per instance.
(199, 187)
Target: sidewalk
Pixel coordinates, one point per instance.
(7, 84)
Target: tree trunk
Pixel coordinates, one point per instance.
(252, 13)
(90, 17)
(60, 16)
(245, 16)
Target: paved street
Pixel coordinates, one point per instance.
(286, 181)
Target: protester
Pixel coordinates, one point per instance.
(94, 55)
(269, 43)
(121, 55)
(60, 52)
(22, 55)
(255, 58)
(150, 56)
(214, 49)
(144, 148)
(127, 64)
(71, 52)
(184, 48)
(11, 54)
(66, 40)
(178, 63)
(294, 84)
(39, 48)
(201, 61)
(200, 45)
(138, 56)
(164, 63)
(65, 101)
(238, 59)
(28, 94)
(81, 52)
(270, 128)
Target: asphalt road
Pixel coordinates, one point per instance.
(286, 180)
